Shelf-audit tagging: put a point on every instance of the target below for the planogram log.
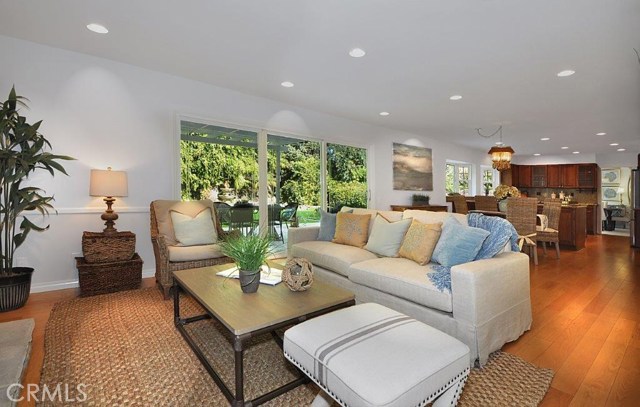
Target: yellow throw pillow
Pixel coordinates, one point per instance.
(351, 229)
(420, 240)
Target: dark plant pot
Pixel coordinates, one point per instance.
(15, 288)
(249, 281)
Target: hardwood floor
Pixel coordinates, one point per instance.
(586, 324)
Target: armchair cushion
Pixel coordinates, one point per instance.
(192, 231)
(163, 217)
(193, 253)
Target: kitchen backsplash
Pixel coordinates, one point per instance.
(579, 196)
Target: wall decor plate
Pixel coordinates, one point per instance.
(611, 193)
(610, 176)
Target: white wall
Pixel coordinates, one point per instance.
(554, 159)
(621, 159)
(105, 113)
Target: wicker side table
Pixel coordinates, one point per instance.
(102, 278)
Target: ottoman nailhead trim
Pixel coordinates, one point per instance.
(428, 400)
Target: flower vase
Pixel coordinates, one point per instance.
(502, 205)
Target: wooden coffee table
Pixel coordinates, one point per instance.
(248, 315)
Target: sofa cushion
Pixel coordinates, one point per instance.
(420, 241)
(386, 237)
(331, 256)
(458, 243)
(162, 207)
(403, 278)
(351, 229)
(192, 253)
(193, 231)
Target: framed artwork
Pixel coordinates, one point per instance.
(412, 168)
(610, 176)
(611, 193)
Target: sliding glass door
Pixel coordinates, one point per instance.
(232, 167)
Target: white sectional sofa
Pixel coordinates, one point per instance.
(489, 303)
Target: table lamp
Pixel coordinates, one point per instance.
(108, 184)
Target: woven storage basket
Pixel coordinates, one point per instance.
(105, 248)
(102, 278)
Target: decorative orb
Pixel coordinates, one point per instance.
(298, 274)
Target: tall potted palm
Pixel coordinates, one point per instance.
(23, 151)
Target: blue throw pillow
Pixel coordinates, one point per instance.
(327, 226)
(458, 244)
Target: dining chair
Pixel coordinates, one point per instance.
(522, 213)
(486, 203)
(224, 213)
(551, 208)
(241, 218)
(460, 204)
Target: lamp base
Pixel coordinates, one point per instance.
(109, 216)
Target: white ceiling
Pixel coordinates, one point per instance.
(502, 56)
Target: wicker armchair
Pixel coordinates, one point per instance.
(163, 241)
(486, 203)
(459, 204)
(551, 209)
(522, 213)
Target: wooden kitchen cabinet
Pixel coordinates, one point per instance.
(515, 175)
(539, 176)
(573, 227)
(569, 176)
(592, 219)
(554, 176)
(524, 173)
(588, 176)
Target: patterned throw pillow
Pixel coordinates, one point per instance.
(352, 229)
(420, 240)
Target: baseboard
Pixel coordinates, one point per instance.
(62, 285)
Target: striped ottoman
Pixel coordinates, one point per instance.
(370, 355)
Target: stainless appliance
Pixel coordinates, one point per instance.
(634, 225)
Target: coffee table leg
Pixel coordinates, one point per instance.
(239, 354)
(176, 302)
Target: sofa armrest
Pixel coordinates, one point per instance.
(484, 289)
(302, 234)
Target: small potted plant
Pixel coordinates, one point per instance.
(420, 200)
(503, 192)
(250, 254)
(23, 151)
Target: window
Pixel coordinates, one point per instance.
(490, 179)
(458, 178)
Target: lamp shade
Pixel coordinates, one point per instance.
(108, 183)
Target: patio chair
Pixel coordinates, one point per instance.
(523, 213)
(289, 214)
(241, 218)
(224, 212)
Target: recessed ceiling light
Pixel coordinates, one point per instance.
(384, 113)
(601, 134)
(567, 72)
(545, 139)
(455, 97)
(287, 84)
(564, 148)
(622, 149)
(537, 154)
(357, 53)
(97, 28)
(576, 152)
(614, 144)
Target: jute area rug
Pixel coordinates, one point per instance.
(124, 350)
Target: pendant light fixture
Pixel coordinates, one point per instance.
(500, 154)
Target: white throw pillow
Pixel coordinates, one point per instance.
(386, 237)
(194, 231)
